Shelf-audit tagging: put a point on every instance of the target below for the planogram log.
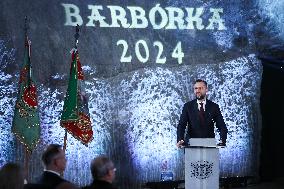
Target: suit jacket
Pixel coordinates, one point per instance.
(99, 184)
(190, 117)
(51, 180)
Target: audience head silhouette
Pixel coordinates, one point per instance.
(102, 168)
(54, 158)
(11, 176)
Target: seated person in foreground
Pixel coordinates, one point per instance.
(103, 172)
(54, 161)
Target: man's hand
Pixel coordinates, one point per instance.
(221, 144)
(179, 144)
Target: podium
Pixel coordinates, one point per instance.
(202, 164)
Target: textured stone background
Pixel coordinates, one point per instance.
(135, 107)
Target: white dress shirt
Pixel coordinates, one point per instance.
(204, 103)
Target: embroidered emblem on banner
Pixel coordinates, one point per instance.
(201, 169)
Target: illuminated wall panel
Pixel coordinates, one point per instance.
(138, 76)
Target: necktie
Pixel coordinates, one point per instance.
(201, 115)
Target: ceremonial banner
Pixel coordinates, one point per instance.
(26, 122)
(75, 117)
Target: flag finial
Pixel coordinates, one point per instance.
(77, 35)
(26, 27)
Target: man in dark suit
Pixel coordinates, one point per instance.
(54, 161)
(199, 116)
(103, 172)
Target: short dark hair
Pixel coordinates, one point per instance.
(100, 166)
(202, 81)
(11, 176)
(50, 152)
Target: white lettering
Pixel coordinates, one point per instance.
(157, 17)
(216, 19)
(72, 11)
(159, 58)
(196, 18)
(118, 14)
(178, 18)
(123, 57)
(138, 52)
(138, 14)
(96, 16)
(163, 15)
(178, 53)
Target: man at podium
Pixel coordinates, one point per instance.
(199, 117)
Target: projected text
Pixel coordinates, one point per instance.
(136, 17)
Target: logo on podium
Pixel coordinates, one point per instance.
(201, 169)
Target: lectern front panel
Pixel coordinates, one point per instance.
(201, 168)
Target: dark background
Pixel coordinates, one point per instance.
(272, 108)
(249, 32)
